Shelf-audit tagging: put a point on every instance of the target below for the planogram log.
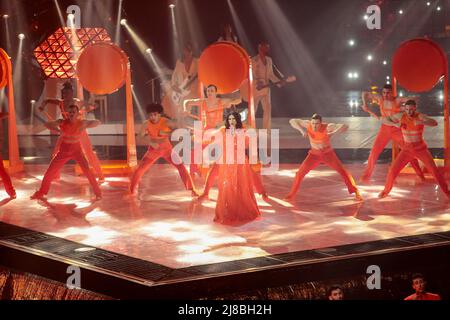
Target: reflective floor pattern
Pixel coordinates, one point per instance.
(165, 225)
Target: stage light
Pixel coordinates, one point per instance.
(351, 42)
(366, 17)
(428, 3)
(350, 75)
(21, 36)
(388, 82)
(149, 51)
(441, 96)
(384, 62)
(438, 8)
(370, 57)
(387, 77)
(123, 22)
(355, 75)
(32, 101)
(171, 6)
(401, 94)
(5, 16)
(400, 11)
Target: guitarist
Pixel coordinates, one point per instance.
(263, 72)
(185, 70)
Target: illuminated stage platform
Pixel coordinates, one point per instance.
(164, 244)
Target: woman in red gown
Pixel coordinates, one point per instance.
(236, 203)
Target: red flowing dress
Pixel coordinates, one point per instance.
(236, 203)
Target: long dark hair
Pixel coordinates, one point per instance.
(237, 116)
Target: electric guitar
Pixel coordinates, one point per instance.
(283, 82)
(178, 97)
(260, 86)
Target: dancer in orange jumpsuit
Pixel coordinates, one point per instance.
(211, 114)
(71, 130)
(389, 105)
(3, 174)
(412, 124)
(158, 129)
(319, 134)
(68, 99)
(236, 202)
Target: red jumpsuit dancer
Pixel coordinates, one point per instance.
(158, 130)
(411, 124)
(319, 134)
(3, 174)
(210, 114)
(71, 130)
(68, 99)
(389, 105)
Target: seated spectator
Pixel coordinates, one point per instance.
(335, 293)
(419, 284)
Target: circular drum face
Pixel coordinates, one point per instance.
(418, 65)
(102, 68)
(225, 65)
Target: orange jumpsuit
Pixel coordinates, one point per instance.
(386, 134)
(414, 148)
(160, 130)
(86, 146)
(70, 149)
(321, 152)
(210, 120)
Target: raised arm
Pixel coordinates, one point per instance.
(393, 121)
(87, 124)
(228, 103)
(187, 107)
(427, 121)
(336, 128)
(53, 125)
(369, 96)
(299, 125)
(47, 101)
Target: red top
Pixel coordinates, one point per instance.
(212, 118)
(319, 140)
(389, 112)
(424, 296)
(412, 132)
(71, 131)
(160, 130)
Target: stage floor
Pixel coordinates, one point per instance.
(163, 224)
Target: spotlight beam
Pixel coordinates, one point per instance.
(61, 17)
(119, 18)
(244, 39)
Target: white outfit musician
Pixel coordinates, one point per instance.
(180, 77)
(262, 74)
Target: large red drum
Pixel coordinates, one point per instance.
(102, 68)
(418, 65)
(3, 68)
(224, 64)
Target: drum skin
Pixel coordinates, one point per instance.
(225, 65)
(418, 65)
(102, 68)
